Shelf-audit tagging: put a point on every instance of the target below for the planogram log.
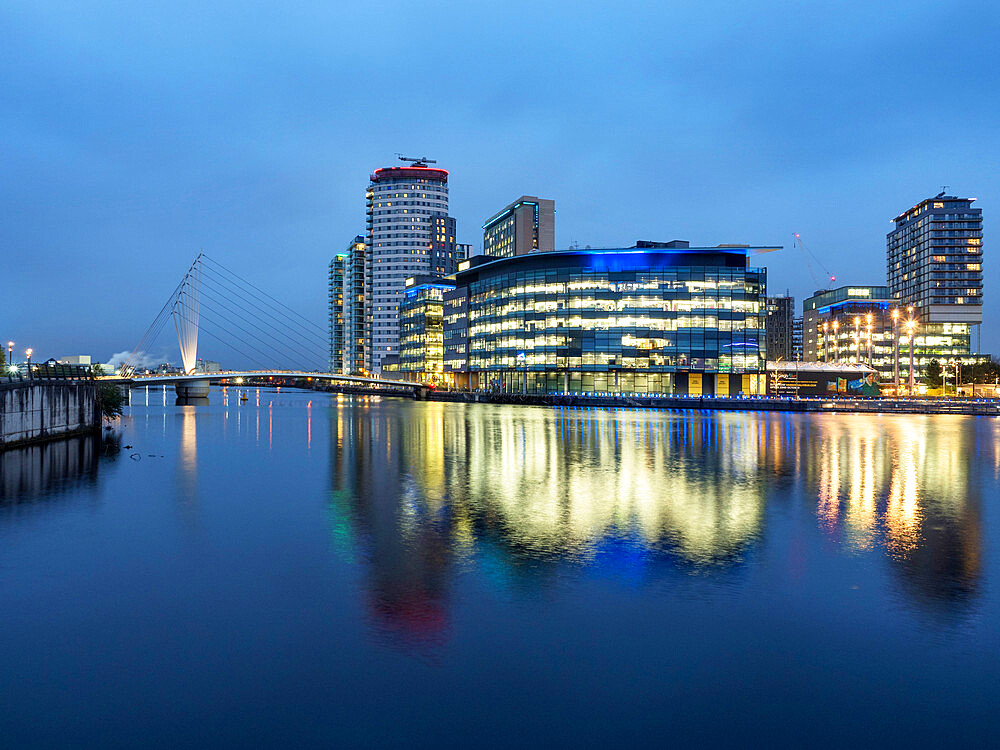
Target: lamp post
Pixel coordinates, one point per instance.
(10, 354)
(836, 342)
(911, 326)
(857, 339)
(826, 344)
(895, 350)
(868, 326)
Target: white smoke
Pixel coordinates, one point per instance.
(143, 360)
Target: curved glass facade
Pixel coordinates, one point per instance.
(630, 320)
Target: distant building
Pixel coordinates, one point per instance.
(778, 325)
(797, 352)
(75, 359)
(335, 307)
(934, 260)
(446, 253)
(346, 308)
(634, 320)
(524, 226)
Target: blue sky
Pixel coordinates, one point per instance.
(135, 136)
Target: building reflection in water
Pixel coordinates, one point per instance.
(420, 490)
(908, 485)
(35, 471)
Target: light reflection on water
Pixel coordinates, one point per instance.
(423, 487)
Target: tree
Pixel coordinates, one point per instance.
(981, 372)
(932, 375)
(111, 400)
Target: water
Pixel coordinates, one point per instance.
(304, 569)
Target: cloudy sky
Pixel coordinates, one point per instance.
(136, 135)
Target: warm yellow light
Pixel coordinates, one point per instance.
(895, 315)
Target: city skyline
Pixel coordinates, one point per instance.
(119, 148)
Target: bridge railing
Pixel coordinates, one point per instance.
(44, 371)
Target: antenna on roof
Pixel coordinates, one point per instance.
(421, 162)
(944, 189)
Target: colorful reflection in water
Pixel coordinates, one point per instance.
(420, 490)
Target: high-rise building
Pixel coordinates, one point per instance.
(402, 205)
(335, 305)
(526, 225)
(354, 307)
(445, 251)
(797, 338)
(934, 260)
(778, 328)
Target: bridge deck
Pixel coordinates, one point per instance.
(140, 380)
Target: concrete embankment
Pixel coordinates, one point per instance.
(977, 407)
(36, 411)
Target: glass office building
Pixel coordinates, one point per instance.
(421, 339)
(654, 318)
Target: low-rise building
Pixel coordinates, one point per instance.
(864, 324)
(653, 318)
(75, 359)
(421, 337)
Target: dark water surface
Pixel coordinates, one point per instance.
(307, 569)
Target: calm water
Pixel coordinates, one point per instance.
(307, 569)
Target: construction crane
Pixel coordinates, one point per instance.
(806, 254)
(421, 162)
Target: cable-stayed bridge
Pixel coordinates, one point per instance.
(215, 303)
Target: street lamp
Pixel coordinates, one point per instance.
(826, 344)
(895, 350)
(28, 354)
(868, 325)
(522, 357)
(836, 342)
(857, 339)
(911, 326)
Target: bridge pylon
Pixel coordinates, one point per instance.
(186, 309)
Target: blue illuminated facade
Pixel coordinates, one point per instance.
(654, 318)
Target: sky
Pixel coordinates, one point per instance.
(135, 135)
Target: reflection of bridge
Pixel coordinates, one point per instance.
(197, 384)
(214, 301)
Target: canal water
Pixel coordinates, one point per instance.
(305, 569)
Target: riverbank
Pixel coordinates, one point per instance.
(977, 407)
(36, 411)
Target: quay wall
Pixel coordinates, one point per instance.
(977, 407)
(36, 411)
